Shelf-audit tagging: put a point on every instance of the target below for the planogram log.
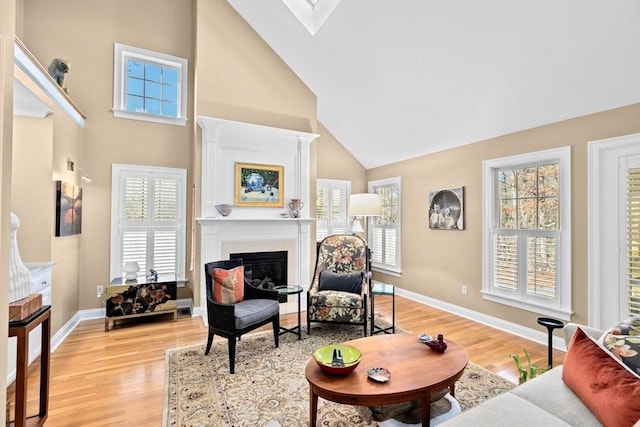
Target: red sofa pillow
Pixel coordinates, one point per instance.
(228, 285)
(608, 388)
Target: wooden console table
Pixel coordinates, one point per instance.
(20, 329)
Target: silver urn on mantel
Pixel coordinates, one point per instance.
(295, 206)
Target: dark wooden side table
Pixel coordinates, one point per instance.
(20, 329)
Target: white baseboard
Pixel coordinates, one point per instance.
(539, 336)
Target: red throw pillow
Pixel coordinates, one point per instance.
(228, 285)
(604, 385)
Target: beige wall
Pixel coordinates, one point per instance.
(436, 263)
(336, 162)
(7, 31)
(84, 33)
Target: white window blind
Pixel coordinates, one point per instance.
(384, 230)
(331, 207)
(527, 232)
(633, 242)
(149, 207)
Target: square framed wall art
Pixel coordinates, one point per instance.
(446, 209)
(259, 185)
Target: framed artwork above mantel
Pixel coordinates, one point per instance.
(259, 185)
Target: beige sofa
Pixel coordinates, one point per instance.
(544, 401)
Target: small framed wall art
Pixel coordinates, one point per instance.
(259, 185)
(446, 209)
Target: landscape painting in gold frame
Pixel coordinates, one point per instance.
(259, 185)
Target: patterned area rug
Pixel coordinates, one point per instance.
(269, 387)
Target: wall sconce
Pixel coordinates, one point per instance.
(84, 175)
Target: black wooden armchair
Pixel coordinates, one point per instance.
(231, 321)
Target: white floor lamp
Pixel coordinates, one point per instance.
(364, 205)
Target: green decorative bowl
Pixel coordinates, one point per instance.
(324, 357)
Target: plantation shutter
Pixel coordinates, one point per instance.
(331, 207)
(505, 266)
(151, 221)
(633, 242)
(384, 230)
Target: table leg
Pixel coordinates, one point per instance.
(425, 410)
(313, 407)
(393, 311)
(299, 324)
(21, 376)
(45, 354)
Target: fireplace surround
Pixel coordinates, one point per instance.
(255, 229)
(265, 269)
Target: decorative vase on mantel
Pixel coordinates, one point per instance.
(19, 275)
(295, 206)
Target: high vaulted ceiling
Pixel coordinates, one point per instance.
(396, 79)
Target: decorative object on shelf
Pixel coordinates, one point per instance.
(153, 275)
(19, 275)
(295, 206)
(131, 269)
(68, 209)
(283, 214)
(337, 359)
(224, 208)
(446, 209)
(380, 375)
(57, 70)
(259, 185)
(439, 344)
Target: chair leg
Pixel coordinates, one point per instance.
(308, 322)
(209, 342)
(232, 354)
(276, 330)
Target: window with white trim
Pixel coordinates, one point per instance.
(149, 85)
(527, 231)
(384, 231)
(632, 294)
(148, 219)
(332, 199)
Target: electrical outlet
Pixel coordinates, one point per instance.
(99, 290)
(464, 289)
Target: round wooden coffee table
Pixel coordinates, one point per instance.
(416, 373)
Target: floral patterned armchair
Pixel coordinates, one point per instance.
(338, 292)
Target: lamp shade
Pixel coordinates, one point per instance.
(365, 204)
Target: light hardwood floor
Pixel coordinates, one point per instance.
(116, 378)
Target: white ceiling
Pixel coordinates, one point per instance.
(396, 79)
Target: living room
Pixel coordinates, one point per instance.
(235, 75)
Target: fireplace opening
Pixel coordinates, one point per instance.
(265, 269)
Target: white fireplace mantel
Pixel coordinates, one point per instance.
(254, 229)
(225, 142)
